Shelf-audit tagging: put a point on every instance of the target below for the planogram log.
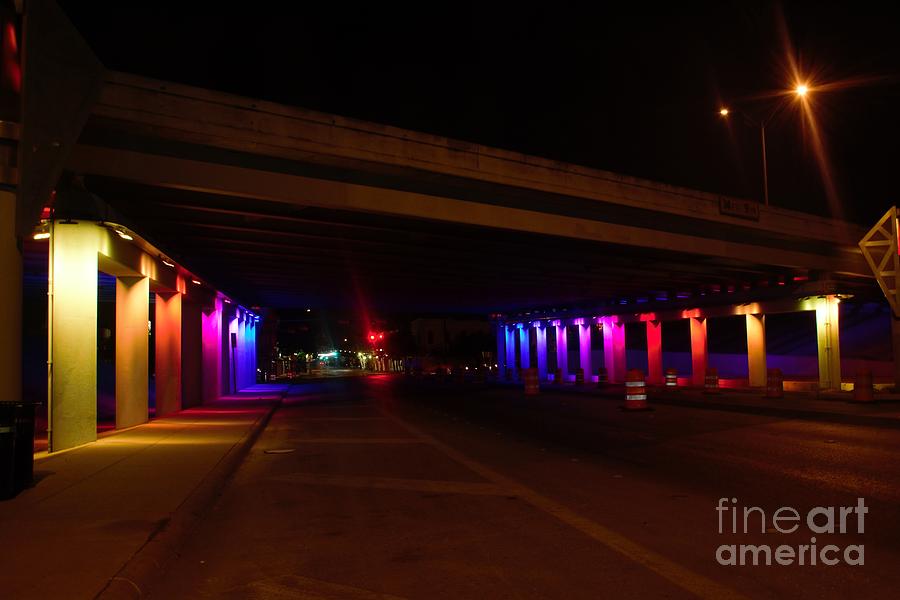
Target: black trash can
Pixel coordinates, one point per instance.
(16, 447)
(7, 450)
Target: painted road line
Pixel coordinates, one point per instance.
(352, 440)
(688, 580)
(391, 483)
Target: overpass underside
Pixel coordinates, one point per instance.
(288, 208)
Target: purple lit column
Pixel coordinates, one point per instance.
(541, 333)
(584, 346)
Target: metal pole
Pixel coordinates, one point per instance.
(762, 133)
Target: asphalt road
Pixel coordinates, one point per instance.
(377, 488)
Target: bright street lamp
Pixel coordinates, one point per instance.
(801, 90)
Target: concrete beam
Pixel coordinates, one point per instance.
(167, 171)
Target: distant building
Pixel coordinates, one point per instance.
(448, 336)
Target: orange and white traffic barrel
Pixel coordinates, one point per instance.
(579, 376)
(635, 390)
(863, 390)
(532, 385)
(602, 377)
(774, 384)
(671, 379)
(711, 385)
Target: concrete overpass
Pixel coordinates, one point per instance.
(284, 207)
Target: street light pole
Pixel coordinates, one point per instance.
(800, 90)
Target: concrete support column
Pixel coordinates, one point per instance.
(541, 333)
(562, 351)
(699, 356)
(614, 350)
(828, 341)
(584, 348)
(654, 353)
(756, 350)
(510, 333)
(191, 354)
(132, 350)
(10, 301)
(212, 343)
(168, 353)
(501, 348)
(524, 347)
(72, 335)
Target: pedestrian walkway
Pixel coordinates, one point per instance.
(93, 508)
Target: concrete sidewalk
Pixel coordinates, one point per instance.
(98, 515)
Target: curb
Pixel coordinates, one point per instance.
(137, 576)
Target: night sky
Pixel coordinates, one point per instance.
(627, 87)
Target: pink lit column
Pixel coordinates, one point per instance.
(614, 349)
(562, 350)
(699, 358)
(211, 346)
(654, 353)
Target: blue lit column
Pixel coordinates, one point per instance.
(524, 347)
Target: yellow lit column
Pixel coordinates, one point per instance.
(132, 350)
(699, 356)
(828, 341)
(756, 350)
(72, 337)
(168, 353)
(10, 301)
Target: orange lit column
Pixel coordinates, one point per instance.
(562, 350)
(699, 357)
(10, 302)
(614, 349)
(168, 353)
(132, 350)
(72, 335)
(756, 350)
(654, 353)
